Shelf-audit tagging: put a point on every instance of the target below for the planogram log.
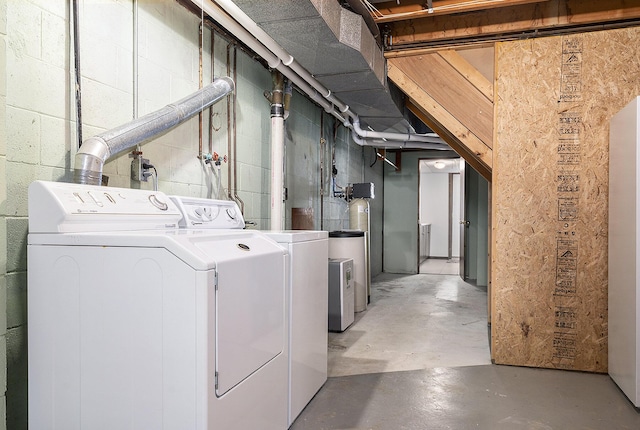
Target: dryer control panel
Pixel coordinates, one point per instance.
(59, 207)
(208, 213)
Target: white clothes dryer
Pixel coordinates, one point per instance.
(307, 291)
(137, 324)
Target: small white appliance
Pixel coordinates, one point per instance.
(351, 244)
(137, 324)
(306, 295)
(341, 307)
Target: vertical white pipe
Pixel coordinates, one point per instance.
(277, 172)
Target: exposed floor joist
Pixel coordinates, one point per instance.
(523, 20)
(415, 9)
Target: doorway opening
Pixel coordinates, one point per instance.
(439, 204)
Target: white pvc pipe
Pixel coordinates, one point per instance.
(236, 13)
(409, 137)
(227, 14)
(277, 172)
(382, 143)
(272, 60)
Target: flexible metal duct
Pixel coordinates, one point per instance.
(96, 150)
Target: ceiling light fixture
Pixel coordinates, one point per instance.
(439, 164)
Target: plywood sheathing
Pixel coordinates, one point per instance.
(555, 97)
(453, 99)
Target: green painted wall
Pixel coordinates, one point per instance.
(477, 210)
(38, 141)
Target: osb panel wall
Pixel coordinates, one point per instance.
(555, 97)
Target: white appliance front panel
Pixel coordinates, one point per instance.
(124, 338)
(308, 328)
(114, 339)
(250, 312)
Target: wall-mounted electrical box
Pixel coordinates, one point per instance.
(363, 190)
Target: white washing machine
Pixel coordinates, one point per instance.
(308, 288)
(137, 324)
(307, 292)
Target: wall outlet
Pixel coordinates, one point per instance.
(139, 173)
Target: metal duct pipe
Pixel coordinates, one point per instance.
(217, 13)
(359, 8)
(227, 14)
(236, 13)
(96, 150)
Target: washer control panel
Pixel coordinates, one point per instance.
(208, 213)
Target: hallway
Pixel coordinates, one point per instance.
(418, 358)
(440, 266)
(414, 322)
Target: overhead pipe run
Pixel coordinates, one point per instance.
(96, 150)
(409, 137)
(395, 144)
(217, 13)
(231, 17)
(287, 60)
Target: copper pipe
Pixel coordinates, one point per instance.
(229, 184)
(200, 42)
(322, 148)
(235, 143)
(213, 40)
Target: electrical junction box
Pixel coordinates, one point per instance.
(364, 190)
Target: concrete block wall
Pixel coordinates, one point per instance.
(3, 213)
(304, 154)
(349, 163)
(37, 134)
(38, 130)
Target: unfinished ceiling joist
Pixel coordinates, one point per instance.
(522, 20)
(392, 11)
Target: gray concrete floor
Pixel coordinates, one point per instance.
(414, 322)
(440, 266)
(418, 358)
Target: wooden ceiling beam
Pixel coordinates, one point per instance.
(512, 20)
(452, 100)
(392, 12)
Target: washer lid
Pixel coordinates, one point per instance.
(292, 236)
